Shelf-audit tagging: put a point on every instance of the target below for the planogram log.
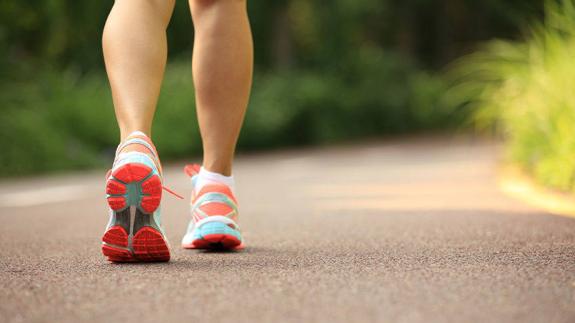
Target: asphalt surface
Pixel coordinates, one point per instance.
(398, 231)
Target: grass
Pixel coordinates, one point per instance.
(524, 92)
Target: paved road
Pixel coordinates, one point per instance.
(406, 231)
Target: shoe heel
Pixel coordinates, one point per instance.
(134, 184)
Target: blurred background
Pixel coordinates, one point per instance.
(325, 73)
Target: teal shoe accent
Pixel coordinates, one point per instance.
(133, 193)
(215, 228)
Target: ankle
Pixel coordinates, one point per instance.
(222, 168)
(206, 177)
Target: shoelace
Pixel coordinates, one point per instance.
(172, 192)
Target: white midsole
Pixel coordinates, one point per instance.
(188, 238)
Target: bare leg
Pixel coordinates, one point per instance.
(222, 69)
(135, 52)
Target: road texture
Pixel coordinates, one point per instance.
(397, 231)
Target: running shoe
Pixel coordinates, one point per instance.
(214, 217)
(134, 192)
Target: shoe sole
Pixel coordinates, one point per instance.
(134, 184)
(215, 236)
(134, 193)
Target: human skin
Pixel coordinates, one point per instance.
(135, 53)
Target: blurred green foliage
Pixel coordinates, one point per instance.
(524, 91)
(352, 69)
(287, 108)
